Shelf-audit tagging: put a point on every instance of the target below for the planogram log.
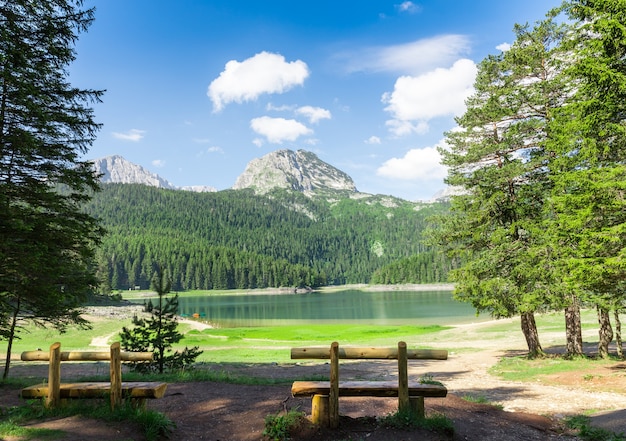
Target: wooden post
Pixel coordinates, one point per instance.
(54, 376)
(403, 379)
(417, 407)
(116, 375)
(319, 410)
(333, 396)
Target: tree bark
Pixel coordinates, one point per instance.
(529, 329)
(605, 332)
(10, 338)
(618, 335)
(573, 329)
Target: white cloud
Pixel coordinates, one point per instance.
(409, 7)
(401, 128)
(133, 135)
(503, 47)
(314, 114)
(263, 73)
(409, 58)
(283, 108)
(373, 140)
(417, 165)
(158, 163)
(277, 130)
(441, 92)
(215, 149)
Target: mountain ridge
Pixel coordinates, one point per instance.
(118, 170)
(301, 171)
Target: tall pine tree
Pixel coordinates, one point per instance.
(497, 156)
(46, 124)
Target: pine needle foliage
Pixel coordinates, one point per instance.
(158, 332)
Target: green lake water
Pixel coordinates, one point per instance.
(348, 307)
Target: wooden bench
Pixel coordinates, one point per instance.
(55, 391)
(325, 394)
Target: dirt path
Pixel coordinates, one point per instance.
(230, 412)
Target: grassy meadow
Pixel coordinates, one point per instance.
(272, 344)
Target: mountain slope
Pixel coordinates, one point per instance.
(301, 171)
(117, 170)
(239, 239)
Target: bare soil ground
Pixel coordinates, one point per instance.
(227, 412)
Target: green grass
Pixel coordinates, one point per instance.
(272, 344)
(33, 337)
(524, 369)
(280, 427)
(155, 425)
(586, 432)
(481, 399)
(11, 428)
(409, 420)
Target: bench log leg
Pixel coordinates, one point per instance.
(417, 406)
(138, 403)
(320, 408)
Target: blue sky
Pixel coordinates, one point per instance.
(197, 89)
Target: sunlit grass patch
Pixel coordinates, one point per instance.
(525, 369)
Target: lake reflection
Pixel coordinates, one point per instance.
(349, 306)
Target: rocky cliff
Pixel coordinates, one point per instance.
(116, 169)
(300, 171)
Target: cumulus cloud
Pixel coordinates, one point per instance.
(313, 114)
(263, 73)
(281, 108)
(417, 99)
(417, 165)
(158, 163)
(277, 130)
(133, 135)
(415, 57)
(401, 128)
(503, 47)
(373, 140)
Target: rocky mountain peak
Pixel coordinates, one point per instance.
(116, 169)
(300, 171)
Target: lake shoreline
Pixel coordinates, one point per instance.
(290, 290)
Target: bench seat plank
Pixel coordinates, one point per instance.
(366, 389)
(134, 389)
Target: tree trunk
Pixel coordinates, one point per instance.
(618, 335)
(605, 332)
(529, 329)
(10, 338)
(573, 329)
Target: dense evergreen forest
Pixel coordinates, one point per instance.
(235, 239)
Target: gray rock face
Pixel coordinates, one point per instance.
(116, 169)
(300, 170)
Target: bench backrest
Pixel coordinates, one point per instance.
(334, 353)
(369, 353)
(55, 356)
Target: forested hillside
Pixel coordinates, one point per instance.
(236, 239)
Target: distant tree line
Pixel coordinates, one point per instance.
(236, 239)
(426, 267)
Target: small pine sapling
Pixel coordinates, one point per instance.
(158, 332)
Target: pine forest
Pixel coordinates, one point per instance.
(235, 239)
